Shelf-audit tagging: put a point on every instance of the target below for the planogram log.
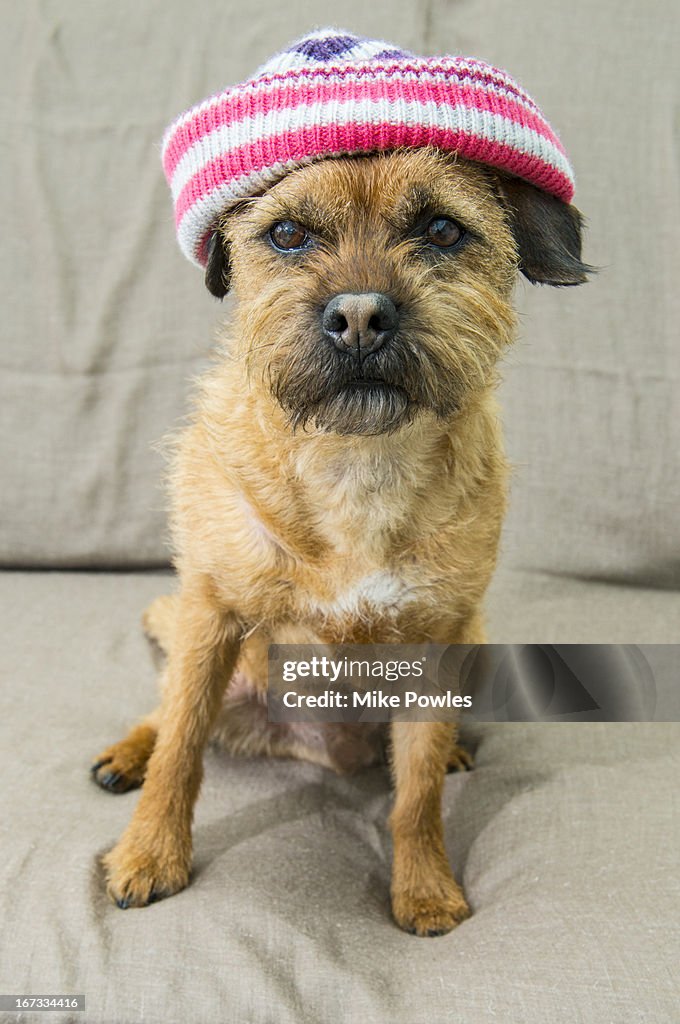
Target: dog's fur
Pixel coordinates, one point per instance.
(310, 506)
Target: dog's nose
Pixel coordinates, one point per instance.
(360, 322)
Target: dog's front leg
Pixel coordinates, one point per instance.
(426, 899)
(153, 856)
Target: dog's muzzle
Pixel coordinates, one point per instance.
(359, 368)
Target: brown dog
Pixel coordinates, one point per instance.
(343, 480)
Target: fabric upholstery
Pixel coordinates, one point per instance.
(103, 322)
(565, 837)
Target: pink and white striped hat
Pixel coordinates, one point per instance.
(332, 93)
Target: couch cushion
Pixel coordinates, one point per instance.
(564, 836)
(538, 608)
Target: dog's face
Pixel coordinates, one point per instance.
(373, 289)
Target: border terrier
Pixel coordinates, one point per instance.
(342, 480)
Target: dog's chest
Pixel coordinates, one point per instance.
(362, 518)
(365, 580)
(358, 506)
(380, 592)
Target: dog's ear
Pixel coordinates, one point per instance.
(547, 233)
(217, 271)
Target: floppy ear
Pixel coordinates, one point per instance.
(548, 235)
(217, 271)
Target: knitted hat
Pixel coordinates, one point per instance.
(331, 94)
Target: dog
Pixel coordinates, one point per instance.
(342, 480)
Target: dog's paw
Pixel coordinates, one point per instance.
(459, 760)
(137, 876)
(122, 766)
(158, 620)
(116, 775)
(432, 914)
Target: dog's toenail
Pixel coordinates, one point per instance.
(99, 764)
(111, 779)
(123, 904)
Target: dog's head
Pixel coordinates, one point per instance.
(372, 289)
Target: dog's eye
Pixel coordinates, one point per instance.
(287, 235)
(443, 232)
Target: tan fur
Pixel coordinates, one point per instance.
(288, 535)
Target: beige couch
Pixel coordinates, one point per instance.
(565, 836)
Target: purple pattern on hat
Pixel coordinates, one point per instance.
(388, 54)
(326, 47)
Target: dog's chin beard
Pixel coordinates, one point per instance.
(317, 389)
(365, 407)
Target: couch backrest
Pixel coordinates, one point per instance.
(104, 322)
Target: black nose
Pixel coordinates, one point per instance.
(360, 322)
